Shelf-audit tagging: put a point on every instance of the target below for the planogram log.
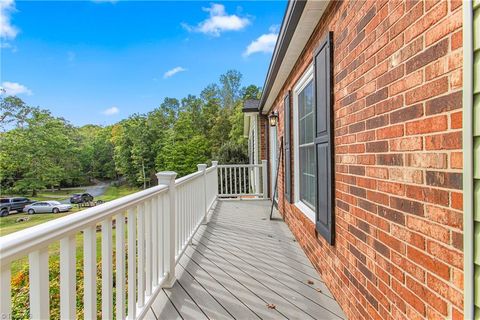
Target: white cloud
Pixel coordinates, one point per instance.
(265, 43)
(218, 22)
(173, 71)
(7, 30)
(111, 111)
(14, 88)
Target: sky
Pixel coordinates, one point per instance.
(100, 61)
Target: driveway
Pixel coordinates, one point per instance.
(95, 190)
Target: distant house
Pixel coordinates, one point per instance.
(367, 96)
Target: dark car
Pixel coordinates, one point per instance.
(13, 204)
(81, 198)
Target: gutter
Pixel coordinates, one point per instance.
(468, 221)
(289, 24)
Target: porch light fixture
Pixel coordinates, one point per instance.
(273, 118)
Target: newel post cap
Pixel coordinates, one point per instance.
(202, 167)
(166, 177)
(214, 163)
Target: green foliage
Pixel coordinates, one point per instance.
(42, 151)
(233, 152)
(40, 154)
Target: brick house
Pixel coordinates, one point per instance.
(367, 96)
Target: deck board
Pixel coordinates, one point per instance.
(241, 263)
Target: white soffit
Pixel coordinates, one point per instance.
(311, 15)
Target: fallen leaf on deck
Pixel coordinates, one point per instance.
(271, 306)
(310, 282)
(318, 289)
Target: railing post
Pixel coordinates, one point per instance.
(264, 179)
(203, 167)
(215, 165)
(168, 178)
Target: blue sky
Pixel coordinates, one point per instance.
(100, 61)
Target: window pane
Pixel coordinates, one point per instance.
(306, 134)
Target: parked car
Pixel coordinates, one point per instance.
(13, 204)
(81, 198)
(47, 207)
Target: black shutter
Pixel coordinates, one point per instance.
(287, 135)
(323, 139)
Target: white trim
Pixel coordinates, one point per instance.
(273, 152)
(301, 84)
(468, 219)
(309, 213)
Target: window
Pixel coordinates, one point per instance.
(306, 119)
(304, 147)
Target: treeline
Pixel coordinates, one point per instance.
(39, 150)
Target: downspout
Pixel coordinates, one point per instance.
(468, 225)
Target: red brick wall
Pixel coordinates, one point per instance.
(398, 159)
(263, 138)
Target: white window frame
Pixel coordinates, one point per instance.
(299, 86)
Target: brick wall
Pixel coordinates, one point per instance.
(398, 159)
(263, 138)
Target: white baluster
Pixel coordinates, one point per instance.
(90, 273)
(156, 235)
(230, 179)
(107, 291)
(39, 284)
(120, 264)
(141, 255)
(161, 238)
(132, 264)
(68, 279)
(6, 296)
(221, 180)
(245, 172)
(235, 179)
(148, 248)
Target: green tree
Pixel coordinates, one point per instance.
(40, 154)
(13, 111)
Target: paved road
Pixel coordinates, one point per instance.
(96, 190)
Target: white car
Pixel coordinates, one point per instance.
(47, 207)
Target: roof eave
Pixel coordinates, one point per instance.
(289, 24)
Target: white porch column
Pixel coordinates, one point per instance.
(168, 178)
(264, 179)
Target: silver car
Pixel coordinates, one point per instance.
(47, 207)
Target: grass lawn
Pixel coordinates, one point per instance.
(8, 224)
(56, 194)
(113, 192)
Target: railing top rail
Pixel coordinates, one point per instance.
(187, 178)
(239, 165)
(210, 169)
(25, 241)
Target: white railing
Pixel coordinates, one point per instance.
(242, 180)
(152, 229)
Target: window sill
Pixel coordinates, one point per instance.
(309, 213)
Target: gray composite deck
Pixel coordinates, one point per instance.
(243, 266)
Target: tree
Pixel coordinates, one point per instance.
(40, 154)
(251, 92)
(230, 88)
(13, 111)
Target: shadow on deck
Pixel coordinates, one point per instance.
(243, 266)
